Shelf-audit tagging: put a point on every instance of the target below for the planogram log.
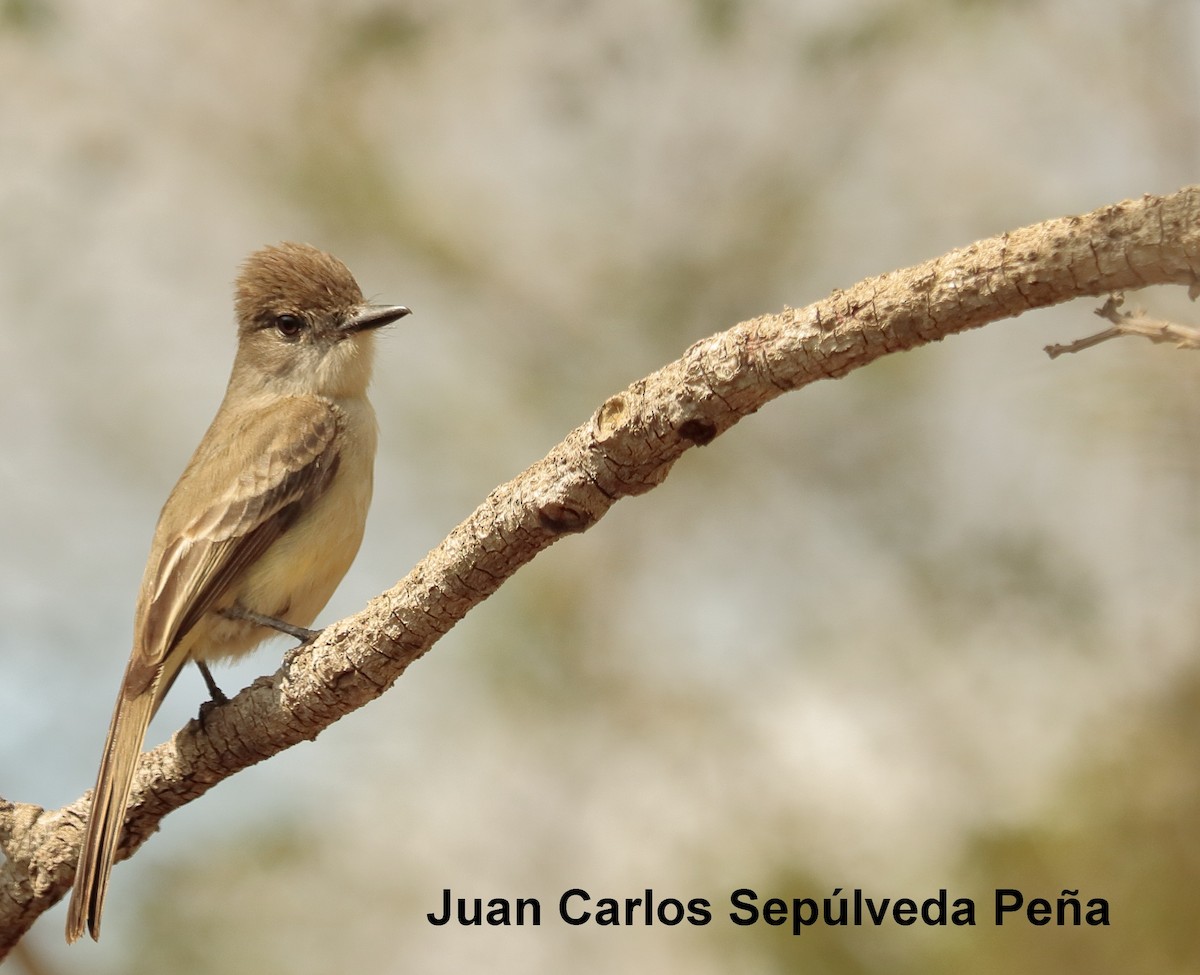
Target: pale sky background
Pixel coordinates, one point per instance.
(932, 625)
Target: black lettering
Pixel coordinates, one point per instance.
(933, 909)
(631, 905)
(534, 906)
(877, 916)
(964, 912)
(905, 911)
(1038, 911)
(1097, 911)
(1008, 901)
(608, 912)
(1069, 899)
(805, 911)
(775, 912)
(742, 899)
(564, 905)
(444, 917)
(669, 912)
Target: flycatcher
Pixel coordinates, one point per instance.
(265, 520)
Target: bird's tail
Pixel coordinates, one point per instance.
(106, 820)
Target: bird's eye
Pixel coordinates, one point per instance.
(289, 326)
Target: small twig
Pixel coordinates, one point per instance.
(1131, 323)
(1054, 351)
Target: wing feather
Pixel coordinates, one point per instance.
(290, 464)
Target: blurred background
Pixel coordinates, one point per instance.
(931, 625)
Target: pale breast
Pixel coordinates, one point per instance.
(295, 577)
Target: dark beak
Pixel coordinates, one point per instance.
(366, 317)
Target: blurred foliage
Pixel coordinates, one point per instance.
(1122, 827)
(26, 16)
(880, 29)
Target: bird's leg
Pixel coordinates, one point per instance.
(218, 695)
(301, 633)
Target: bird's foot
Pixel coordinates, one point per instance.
(217, 695)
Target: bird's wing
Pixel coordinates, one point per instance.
(286, 457)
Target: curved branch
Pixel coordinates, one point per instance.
(626, 448)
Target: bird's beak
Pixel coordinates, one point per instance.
(366, 317)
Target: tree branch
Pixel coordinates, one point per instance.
(626, 448)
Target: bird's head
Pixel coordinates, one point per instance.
(303, 325)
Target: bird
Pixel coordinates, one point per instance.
(264, 521)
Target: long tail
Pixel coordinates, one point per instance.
(106, 821)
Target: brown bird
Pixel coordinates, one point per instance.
(264, 521)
